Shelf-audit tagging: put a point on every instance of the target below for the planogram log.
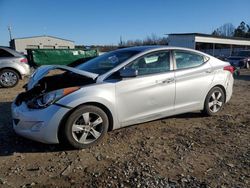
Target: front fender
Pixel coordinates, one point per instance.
(98, 93)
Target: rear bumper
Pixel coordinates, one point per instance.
(25, 70)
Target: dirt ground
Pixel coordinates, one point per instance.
(187, 150)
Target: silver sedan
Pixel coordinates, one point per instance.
(120, 88)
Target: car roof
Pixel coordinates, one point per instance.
(160, 47)
(13, 52)
(156, 47)
(140, 48)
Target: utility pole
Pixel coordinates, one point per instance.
(9, 29)
(121, 42)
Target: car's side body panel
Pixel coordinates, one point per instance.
(145, 98)
(190, 96)
(97, 93)
(222, 78)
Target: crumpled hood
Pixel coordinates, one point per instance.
(44, 70)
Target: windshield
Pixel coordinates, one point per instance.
(107, 61)
(244, 53)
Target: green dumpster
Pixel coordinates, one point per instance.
(70, 57)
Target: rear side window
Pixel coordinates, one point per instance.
(4, 53)
(186, 59)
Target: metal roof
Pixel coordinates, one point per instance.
(43, 36)
(208, 35)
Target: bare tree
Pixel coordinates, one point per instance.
(226, 30)
(153, 39)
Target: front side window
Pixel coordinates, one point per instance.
(156, 62)
(185, 59)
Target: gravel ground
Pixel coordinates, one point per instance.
(187, 150)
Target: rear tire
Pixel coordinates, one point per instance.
(86, 126)
(214, 101)
(8, 78)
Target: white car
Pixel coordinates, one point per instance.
(120, 88)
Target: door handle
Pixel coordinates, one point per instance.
(166, 81)
(170, 80)
(209, 71)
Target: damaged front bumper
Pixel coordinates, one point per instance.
(38, 124)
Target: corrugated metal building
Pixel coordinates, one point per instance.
(214, 45)
(40, 42)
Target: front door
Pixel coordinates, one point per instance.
(151, 94)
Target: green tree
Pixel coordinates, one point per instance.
(243, 30)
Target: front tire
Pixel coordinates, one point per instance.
(8, 78)
(86, 126)
(214, 101)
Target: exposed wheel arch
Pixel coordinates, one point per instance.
(63, 120)
(220, 86)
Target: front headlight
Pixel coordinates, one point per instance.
(47, 99)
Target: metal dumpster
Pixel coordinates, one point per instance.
(70, 57)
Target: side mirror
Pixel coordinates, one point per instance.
(128, 72)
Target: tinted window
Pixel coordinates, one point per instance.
(107, 61)
(4, 53)
(188, 59)
(152, 63)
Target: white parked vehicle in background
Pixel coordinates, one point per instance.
(13, 66)
(120, 88)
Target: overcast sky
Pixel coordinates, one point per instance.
(103, 22)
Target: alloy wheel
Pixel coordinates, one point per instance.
(216, 101)
(87, 128)
(8, 79)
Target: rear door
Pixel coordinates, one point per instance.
(151, 94)
(193, 75)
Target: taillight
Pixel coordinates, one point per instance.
(229, 68)
(24, 60)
